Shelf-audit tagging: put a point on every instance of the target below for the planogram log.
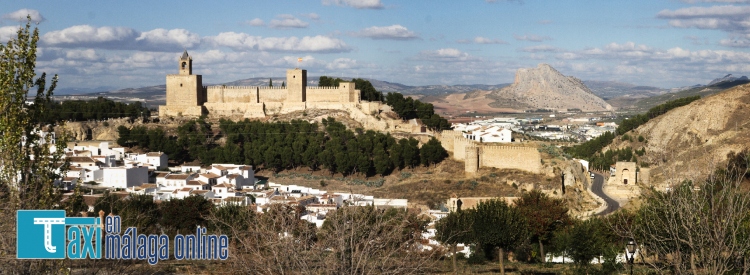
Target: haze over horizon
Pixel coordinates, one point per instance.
(666, 43)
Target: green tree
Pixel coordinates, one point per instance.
(497, 224)
(454, 229)
(139, 211)
(75, 204)
(587, 241)
(544, 215)
(270, 82)
(183, 215)
(432, 152)
(26, 184)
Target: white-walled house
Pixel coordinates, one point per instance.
(198, 185)
(176, 181)
(223, 190)
(124, 177)
(247, 172)
(157, 159)
(190, 169)
(238, 181)
(87, 162)
(210, 178)
(106, 160)
(490, 134)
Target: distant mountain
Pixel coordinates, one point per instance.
(613, 89)
(157, 94)
(727, 78)
(544, 87)
(74, 91)
(715, 86)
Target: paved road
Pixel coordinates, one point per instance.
(596, 188)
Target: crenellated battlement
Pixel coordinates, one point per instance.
(323, 88)
(216, 87)
(476, 154)
(186, 96)
(505, 147)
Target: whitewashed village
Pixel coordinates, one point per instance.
(102, 167)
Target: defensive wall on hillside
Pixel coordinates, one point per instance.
(475, 154)
(186, 96)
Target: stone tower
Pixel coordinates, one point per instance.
(471, 164)
(296, 85)
(185, 92)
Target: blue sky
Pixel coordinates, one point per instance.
(663, 43)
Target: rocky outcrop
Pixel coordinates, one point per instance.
(544, 87)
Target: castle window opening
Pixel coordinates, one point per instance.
(184, 64)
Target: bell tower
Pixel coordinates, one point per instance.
(186, 64)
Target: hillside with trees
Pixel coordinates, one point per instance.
(408, 108)
(592, 149)
(287, 145)
(95, 109)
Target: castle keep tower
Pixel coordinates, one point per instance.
(185, 93)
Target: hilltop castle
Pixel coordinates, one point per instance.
(186, 96)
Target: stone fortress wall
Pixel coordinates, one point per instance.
(475, 154)
(186, 96)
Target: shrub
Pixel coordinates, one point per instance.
(641, 138)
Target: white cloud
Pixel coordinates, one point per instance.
(244, 42)
(540, 48)
(627, 46)
(444, 55)
(255, 22)
(312, 16)
(483, 40)
(342, 64)
(732, 19)
(175, 37)
(287, 21)
(735, 43)
(699, 12)
(121, 38)
(393, 32)
(735, 20)
(531, 37)
(715, 1)
(87, 55)
(359, 4)
(20, 15)
(8, 32)
(85, 35)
